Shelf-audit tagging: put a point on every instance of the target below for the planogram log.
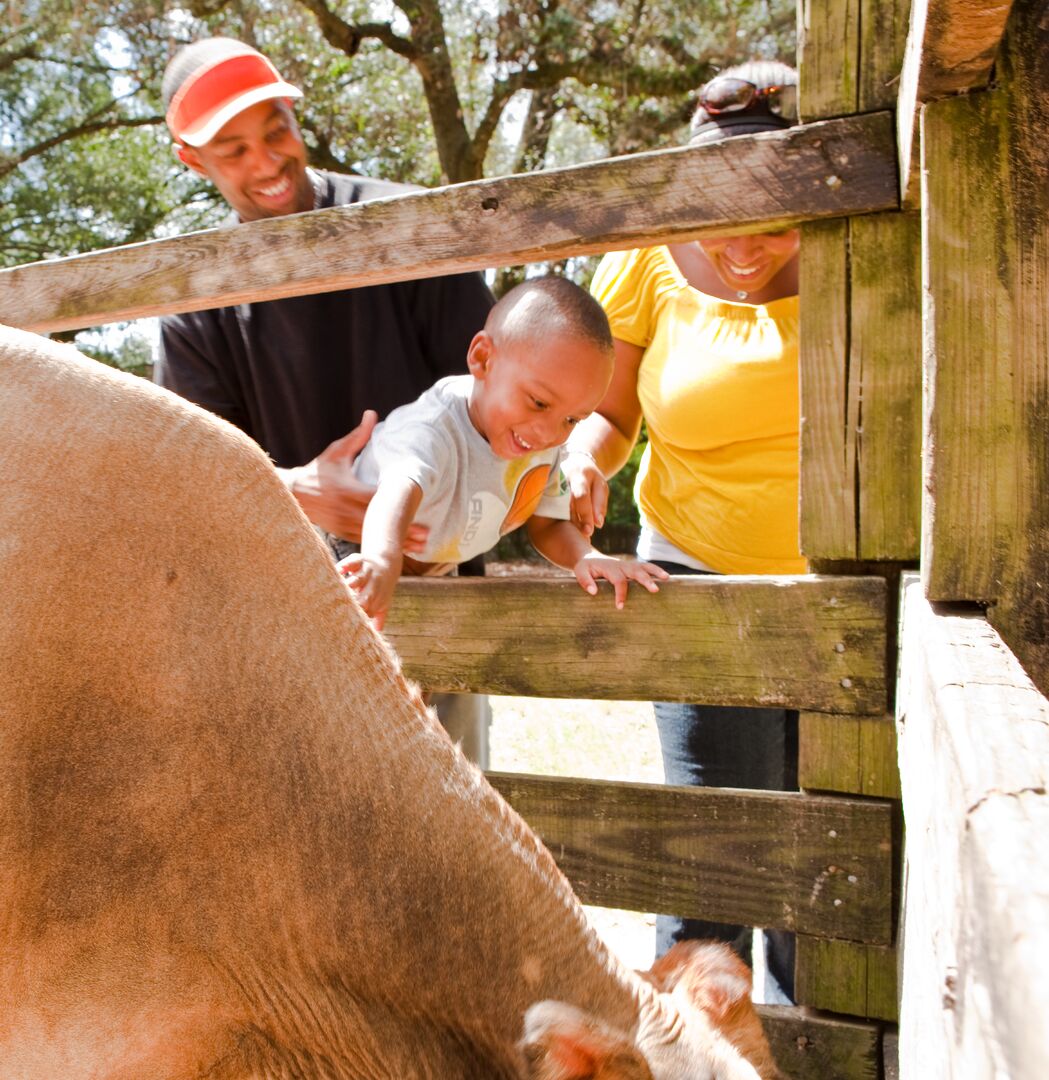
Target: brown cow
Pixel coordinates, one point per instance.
(233, 842)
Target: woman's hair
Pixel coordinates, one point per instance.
(766, 112)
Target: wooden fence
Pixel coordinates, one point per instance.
(924, 378)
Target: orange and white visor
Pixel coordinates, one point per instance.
(215, 93)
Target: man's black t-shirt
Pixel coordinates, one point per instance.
(296, 374)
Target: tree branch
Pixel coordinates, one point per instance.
(347, 37)
(10, 162)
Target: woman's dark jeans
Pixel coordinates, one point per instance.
(735, 747)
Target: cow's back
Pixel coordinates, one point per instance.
(229, 824)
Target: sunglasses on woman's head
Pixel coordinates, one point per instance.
(731, 95)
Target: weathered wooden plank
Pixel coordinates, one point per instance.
(807, 642)
(986, 195)
(883, 42)
(828, 58)
(849, 55)
(810, 1047)
(801, 862)
(974, 759)
(861, 388)
(760, 181)
(890, 1055)
(951, 47)
(885, 362)
(829, 399)
(851, 754)
(846, 977)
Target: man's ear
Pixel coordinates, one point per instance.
(190, 158)
(479, 355)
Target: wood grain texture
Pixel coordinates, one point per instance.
(852, 754)
(846, 977)
(753, 182)
(883, 42)
(886, 365)
(849, 55)
(829, 401)
(861, 388)
(800, 862)
(821, 1048)
(799, 642)
(951, 47)
(974, 761)
(828, 58)
(986, 196)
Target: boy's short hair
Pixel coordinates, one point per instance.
(550, 303)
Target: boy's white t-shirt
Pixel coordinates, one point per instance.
(470, 496)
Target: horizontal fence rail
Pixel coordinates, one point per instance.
(819, 865)
(827, 169)
(810, 1047)
(815, 643)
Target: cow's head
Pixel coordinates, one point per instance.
(700, 1025)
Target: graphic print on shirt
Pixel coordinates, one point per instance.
(526, 498)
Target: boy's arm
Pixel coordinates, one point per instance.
(374, 572)
(564, 545)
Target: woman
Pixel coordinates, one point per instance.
(706, 339)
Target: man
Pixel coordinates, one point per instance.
(298, 374)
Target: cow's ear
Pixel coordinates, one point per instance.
(563, 1043)
(711, 976)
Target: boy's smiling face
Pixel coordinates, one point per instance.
(529, 394)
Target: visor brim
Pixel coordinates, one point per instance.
(210, 125)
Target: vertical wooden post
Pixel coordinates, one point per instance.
(860, 363)
(986, 279)
(860, 315)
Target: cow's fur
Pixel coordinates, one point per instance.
(233, 842)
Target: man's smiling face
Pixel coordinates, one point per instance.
(258, 162)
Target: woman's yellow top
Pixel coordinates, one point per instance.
(718, 386)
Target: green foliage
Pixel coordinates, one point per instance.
(122, 347)
(414, 90)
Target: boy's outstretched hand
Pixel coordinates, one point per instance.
(373, 582)
(619, 572)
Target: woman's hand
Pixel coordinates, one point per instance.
(619, 572)
(588, 490)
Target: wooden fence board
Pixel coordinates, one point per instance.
(951, 47)
(818, 865)
(754, 182)
(974, 761)
(849, 55)
(810, 1047)
(986, 207)
(855, 755)
(886, 364)
(829, 401)
(861, 388)
(846, 977)
(972, 514)
(828, 55)
(813, 643)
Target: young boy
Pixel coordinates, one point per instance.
(478, 455)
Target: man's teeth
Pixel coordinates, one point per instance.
(274, 190)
